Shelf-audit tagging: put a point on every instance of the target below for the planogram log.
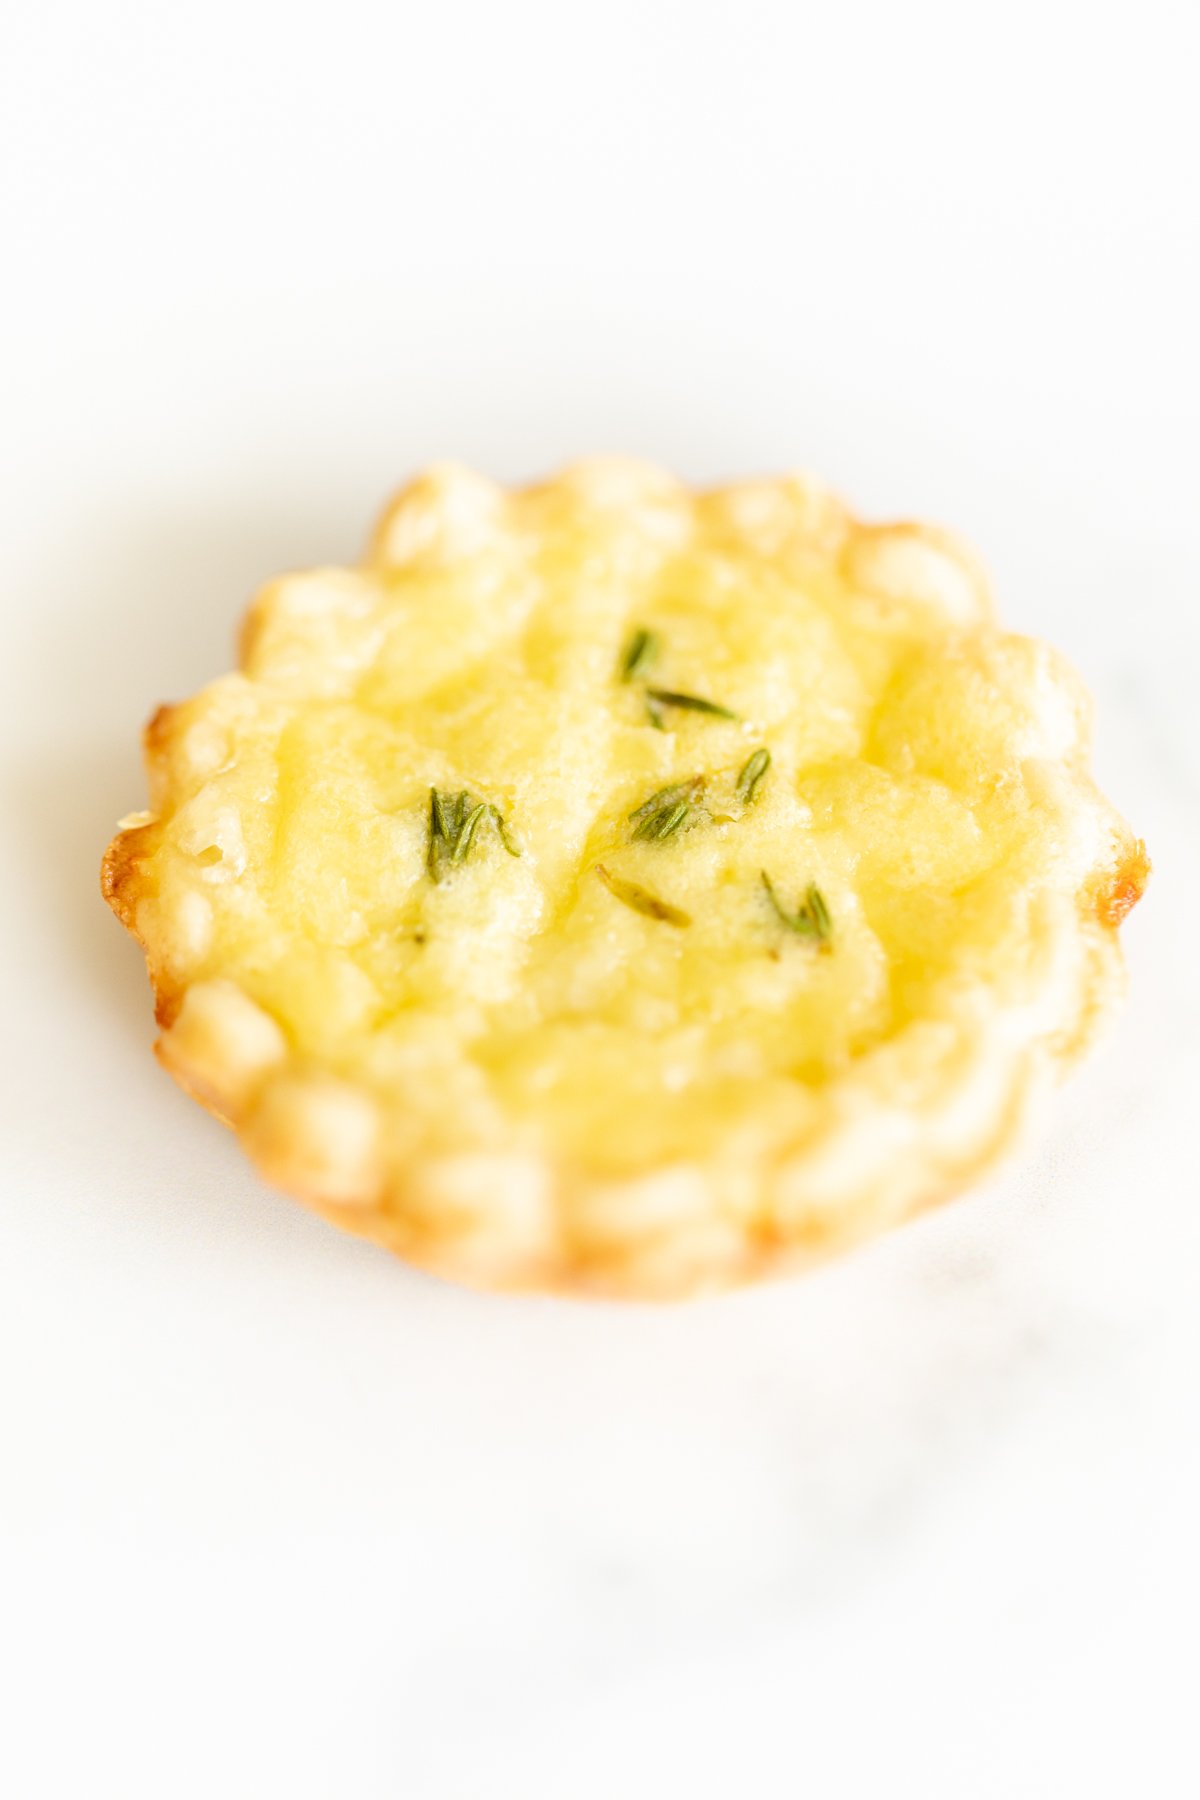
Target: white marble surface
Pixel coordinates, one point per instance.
(278, 1518)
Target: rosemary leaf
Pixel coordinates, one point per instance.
(655, 713)
(502, 830)
(454, 821)
(811, 921)
(641, 899)
(818, 912)
(667, 811)
(751, 775)
(438, 836)
(660, 697)
(640, 652)
(663, 797)
(462, 847)
(667, 824)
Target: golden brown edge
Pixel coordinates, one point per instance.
(760, 1254)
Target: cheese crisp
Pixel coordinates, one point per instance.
(615, 889)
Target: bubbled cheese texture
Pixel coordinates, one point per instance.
(927, 774)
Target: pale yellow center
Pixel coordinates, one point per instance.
(518, 1000)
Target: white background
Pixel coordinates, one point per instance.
(279, 1518)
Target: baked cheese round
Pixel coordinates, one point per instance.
(616, 889)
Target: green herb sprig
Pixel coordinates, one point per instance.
(667, 811)
(641, 899)
(640, 653)
(658, 698)
(811, 921)
(639, 656)
(454, 821)
(751, 774)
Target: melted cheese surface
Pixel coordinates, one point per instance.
(926, 775)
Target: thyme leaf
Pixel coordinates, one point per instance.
(660, 697)
(814, 900)
(439, 835)
(667, 811)
(641, 899)
(639, 653)
(502, 831)
(812, 920)
(751, 774)
(667, 824)
(462, 845)
(454, 821)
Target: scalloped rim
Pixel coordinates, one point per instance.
(502, 1221)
